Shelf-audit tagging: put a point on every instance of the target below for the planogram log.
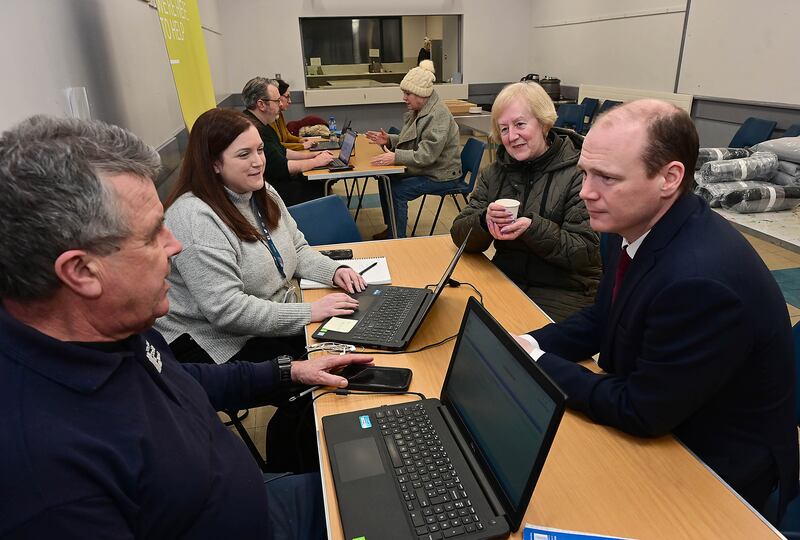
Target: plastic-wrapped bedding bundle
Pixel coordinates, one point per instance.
(718, 154)
(784, 179)
(762, 199)
(714, 192)
(787, 148)
(788, 174)
(792, 169)
(761, 166)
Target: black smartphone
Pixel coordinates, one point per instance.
(376, 378)
(338, 254)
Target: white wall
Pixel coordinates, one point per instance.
(745, 50)
(626, 43)
(263, 36)
(114, 48)
(413, 36)
(733, 49)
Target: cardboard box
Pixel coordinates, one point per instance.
(458, 106)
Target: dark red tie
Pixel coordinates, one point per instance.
(622, 267)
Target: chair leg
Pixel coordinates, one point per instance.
(455, 200)
(360, 198)
(247, 440)
(349, 190)
(419, 213)
(436, 218)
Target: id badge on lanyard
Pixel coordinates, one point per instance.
(276, 256)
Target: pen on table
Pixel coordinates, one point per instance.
(304, 393)
(364, 271)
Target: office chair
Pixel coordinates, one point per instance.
(752, 131)
(570, 115)
(793, 131)
(606, 105)
(589, 108)
(325, 221)
(471, 156)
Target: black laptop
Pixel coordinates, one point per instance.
(342, 163)
(387, 316)
(331, 145)
(462, 467)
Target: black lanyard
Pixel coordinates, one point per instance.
(276, 256)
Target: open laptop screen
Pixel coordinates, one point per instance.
(348, 142)
(509, 408)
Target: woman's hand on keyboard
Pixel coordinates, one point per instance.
(323, 158)
(348, 279)
(332, 305)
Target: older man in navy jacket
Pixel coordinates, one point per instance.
(692, 330)
(103, 433)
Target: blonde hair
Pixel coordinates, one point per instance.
(531, 94)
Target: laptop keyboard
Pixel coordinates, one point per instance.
(336, 163)
(382, 323)
(434, 496)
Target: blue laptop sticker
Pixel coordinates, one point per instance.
(376, 292)
(365, 421)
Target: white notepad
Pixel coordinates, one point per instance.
(377, 275)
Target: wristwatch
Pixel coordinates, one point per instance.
(284, 369)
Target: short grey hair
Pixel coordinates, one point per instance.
(255, 89)
(53, 197)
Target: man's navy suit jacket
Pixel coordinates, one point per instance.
(698, 343)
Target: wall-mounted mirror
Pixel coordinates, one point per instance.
(363, 52)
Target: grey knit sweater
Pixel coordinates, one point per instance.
(224, 291)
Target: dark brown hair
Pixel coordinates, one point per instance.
(283, 86)
(212, 133)
(672, 137)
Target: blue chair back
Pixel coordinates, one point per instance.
(608, 104)
(325, 221)
(752, 131)
(570, 115)
(589, 108)
(793, 131)
(471, 157)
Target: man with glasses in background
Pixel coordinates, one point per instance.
(285, 167)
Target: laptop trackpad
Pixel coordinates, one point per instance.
(358, 459)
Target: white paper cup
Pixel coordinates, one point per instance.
(509, 204)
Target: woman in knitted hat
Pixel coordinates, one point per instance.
(427, 145)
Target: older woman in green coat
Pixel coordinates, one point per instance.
(549, 250)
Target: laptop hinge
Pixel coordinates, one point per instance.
(483, 482)
(421, 310)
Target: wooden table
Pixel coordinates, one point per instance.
(596, 479)
(779, 228)
(362, 168)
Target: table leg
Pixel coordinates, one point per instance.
(387, 184)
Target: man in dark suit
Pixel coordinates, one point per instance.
(694, 335)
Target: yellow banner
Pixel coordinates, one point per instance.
(180, 22)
